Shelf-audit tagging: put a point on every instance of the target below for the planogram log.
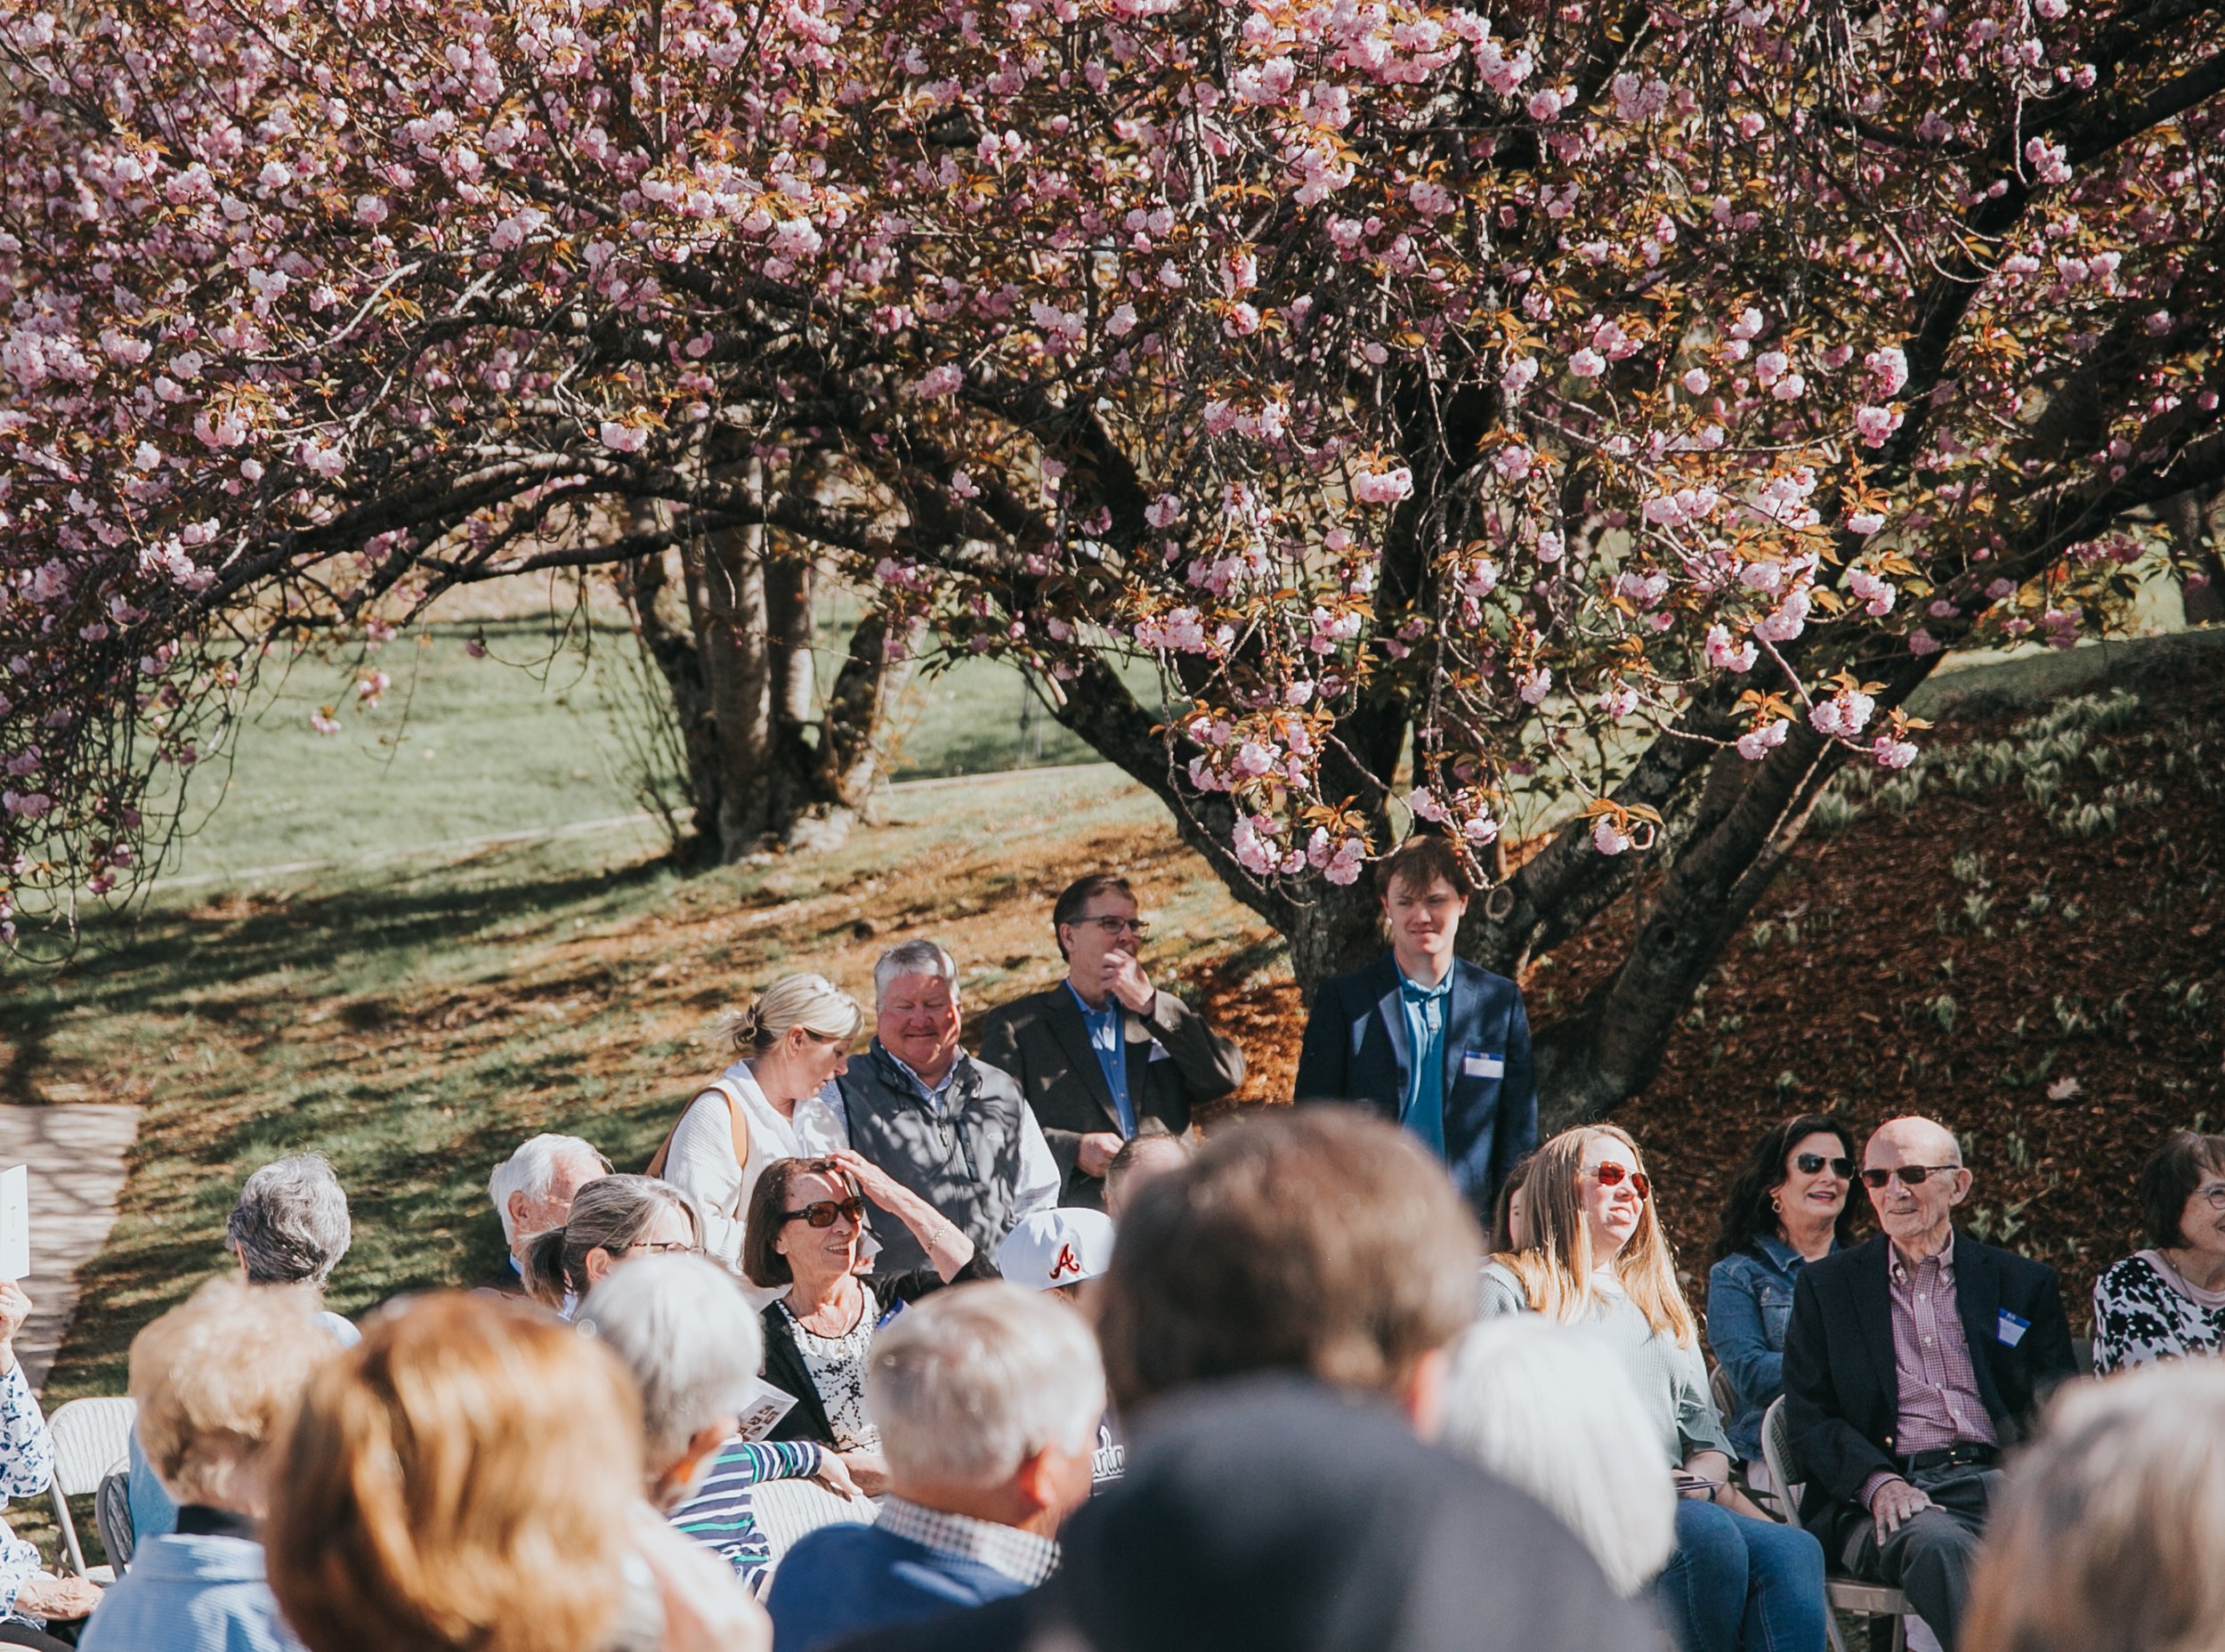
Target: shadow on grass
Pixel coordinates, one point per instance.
(170, 953)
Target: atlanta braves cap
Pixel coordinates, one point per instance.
(1053, 1248)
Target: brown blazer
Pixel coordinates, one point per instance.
(1175, 1063)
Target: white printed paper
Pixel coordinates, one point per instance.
(1477, 1065)
(764, 1408)
(15, 1222)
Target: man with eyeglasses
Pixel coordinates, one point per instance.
(1105, 1056)
(1911, 1364)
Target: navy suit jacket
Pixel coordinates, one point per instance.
(845, 1580)
(1355, 1050)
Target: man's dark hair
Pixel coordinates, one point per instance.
(2169, 1179)
(1075, 898)
(1419, 862)
(1323, 1242)
(1747, 1214)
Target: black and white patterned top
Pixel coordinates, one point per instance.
(2144, 1312)
(27, 1461)
(837, 1371)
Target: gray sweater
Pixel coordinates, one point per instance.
(1671, 1380)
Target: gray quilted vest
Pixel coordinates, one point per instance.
(964, 1161)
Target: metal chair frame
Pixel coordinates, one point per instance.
(92, 1440)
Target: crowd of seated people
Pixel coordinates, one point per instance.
(1099, 1379)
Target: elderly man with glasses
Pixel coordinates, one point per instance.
(1911, 1364)
(1103, 1056)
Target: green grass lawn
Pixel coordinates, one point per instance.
(544, 731)
(414, 1021)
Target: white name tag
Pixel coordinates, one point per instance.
(2012, 1329)
(1477, 1065)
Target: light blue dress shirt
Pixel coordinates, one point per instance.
(1424, 1110)
(203, 1593)
(1105, 1027)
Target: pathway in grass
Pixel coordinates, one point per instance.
(76, 1155)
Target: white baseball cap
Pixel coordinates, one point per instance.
(1054, 1248)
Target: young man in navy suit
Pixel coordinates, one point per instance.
(1423, 1038)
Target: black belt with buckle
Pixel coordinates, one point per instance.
(1951, 1456)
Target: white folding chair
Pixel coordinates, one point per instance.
(93, 1439)
(1843, 1593)
(787, 1510)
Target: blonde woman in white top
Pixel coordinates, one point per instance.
(794, 1041)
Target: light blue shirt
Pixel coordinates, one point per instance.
(1423, 1111)
(203, 1594)
(1105, 1028)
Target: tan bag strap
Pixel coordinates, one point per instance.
(736, 1120)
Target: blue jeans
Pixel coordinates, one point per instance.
(1736, 1585)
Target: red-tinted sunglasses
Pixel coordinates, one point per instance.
(1611, 1175)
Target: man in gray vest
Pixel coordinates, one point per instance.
(953, 1130)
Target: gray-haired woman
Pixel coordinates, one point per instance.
(614, 1219)
(290, 1226)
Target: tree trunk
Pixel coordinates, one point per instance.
(726, 602)
(791, 587)
(853, 764)
(2188, 516)
(646, 585)
(764, 766)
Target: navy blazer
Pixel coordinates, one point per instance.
(1842, 1388)
(1355, 1050)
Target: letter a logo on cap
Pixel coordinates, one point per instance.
(1067, 1263)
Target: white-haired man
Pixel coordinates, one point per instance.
(1911, 1364)
(954, 1129)
(532, 1191)
(682, 1325)
(988, 1398)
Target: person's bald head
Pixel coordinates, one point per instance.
(1919, 1139)
(1918, 1215)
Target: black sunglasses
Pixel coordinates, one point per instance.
(1808, 1163)
(823, 1212)
(1910, 1175)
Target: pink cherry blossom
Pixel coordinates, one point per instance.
(1757, 743)
(1843, 715)
(1606, 838)
(1726, 655)
(1385, 487)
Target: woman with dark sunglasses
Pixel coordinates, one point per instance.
(1787, 1208)
(1736, 1581)
(804, 1221)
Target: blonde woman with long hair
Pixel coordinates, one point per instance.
(793, 1043)
(1737, 1582)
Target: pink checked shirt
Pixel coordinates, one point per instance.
(1939, 1403)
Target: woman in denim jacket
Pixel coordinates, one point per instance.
(1787, 1209)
